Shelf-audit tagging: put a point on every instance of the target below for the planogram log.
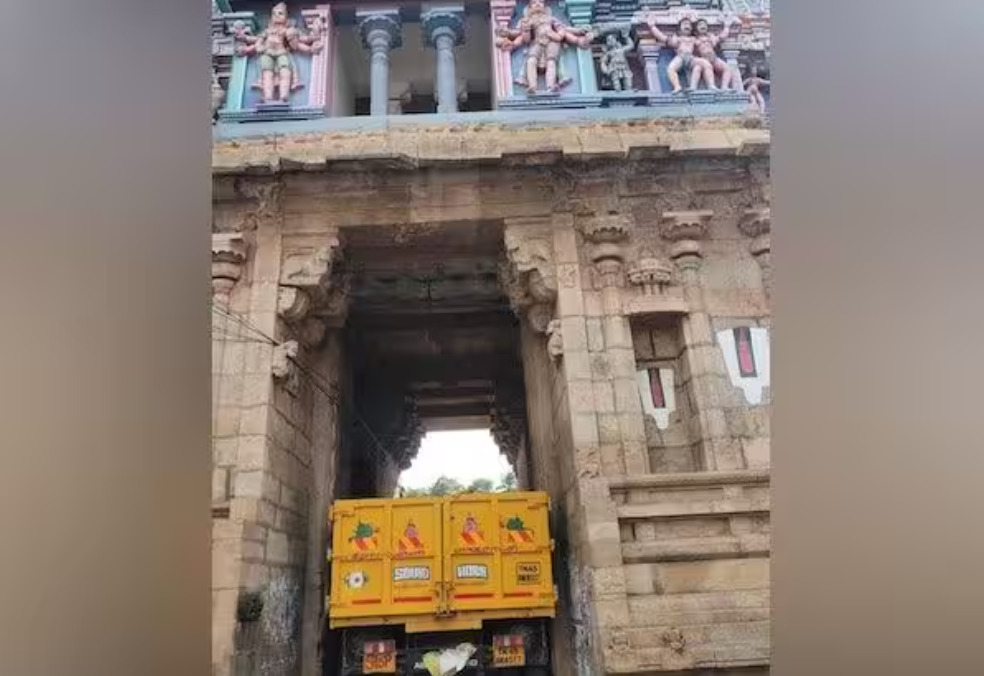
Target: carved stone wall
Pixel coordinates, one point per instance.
(659, 260)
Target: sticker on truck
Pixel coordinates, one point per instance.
(411, 573)
(472, 571)
(528, 573)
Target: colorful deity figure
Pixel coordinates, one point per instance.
(545, 37)
(471, 525)
(614, 62)
(754, 84)
(707, 44)
(276, 46)
(684, 43)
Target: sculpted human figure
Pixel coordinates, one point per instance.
(684, 43)
(545, 37)
(614, 62)
(754, 85)
(707, 44)
(275, 46)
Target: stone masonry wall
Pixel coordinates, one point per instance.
(613, 232)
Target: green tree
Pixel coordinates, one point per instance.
(507, 482)
(445, 486)
(481, 486)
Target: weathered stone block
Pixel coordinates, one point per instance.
(627, 395)
(639, 579)
(577, 364)
(596, 336)
(608, 429)
(220, 485)
(584, 429)
(277, 548)
(717, 576)
(604, 396)
(757, 452)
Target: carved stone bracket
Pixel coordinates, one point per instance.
(266, 196)
(555, 341)
(283, 367)
(530, 277)
(509, 418)
(757, 224)
(228, 257)
(312, 296)
(652, 274)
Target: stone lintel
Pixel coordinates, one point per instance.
(409, 146)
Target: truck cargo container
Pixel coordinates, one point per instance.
(466, 579)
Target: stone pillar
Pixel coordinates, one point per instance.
(703, 364)
(621, 424)
(581, 13)
(757, 224)
(731, 58)
(501, 17)
(649, 51)
(381, 32)
(444, 28)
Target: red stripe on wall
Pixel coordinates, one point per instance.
(473, 596)
(412, 599)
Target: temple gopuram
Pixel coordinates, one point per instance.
(549, 219)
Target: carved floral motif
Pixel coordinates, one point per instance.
(652, 274)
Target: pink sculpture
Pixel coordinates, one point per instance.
(685, 44)
(545, 36)
(275, 46)
(707, 44)
(753, 85)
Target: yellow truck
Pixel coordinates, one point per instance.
(442, 585)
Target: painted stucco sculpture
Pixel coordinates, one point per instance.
(754, 84)
(544, 36)
(684, 42)
(614, 62)
(706, 48)
(275, 46)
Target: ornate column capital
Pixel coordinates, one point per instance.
(439, 20)
(380, 28)
(675, 226)
(228, 257)
(685, 229)
(607, 234)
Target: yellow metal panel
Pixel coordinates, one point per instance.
(441, 563)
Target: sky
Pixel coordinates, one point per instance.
(464, 455)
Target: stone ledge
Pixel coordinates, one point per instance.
(696, 549)
(690, 479)
(412, 147)
(702, 508)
